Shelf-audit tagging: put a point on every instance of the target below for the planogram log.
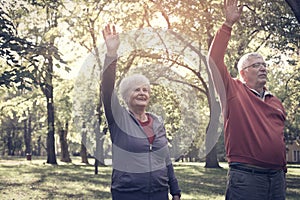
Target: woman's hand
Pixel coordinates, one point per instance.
(112, 41)
(176, 197)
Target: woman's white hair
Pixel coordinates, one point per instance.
(130, 83)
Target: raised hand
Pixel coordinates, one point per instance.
(233, 12)
(112, 40)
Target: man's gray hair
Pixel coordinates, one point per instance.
(244, 60)
(130, 83)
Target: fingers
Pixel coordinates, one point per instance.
(103, 33)
(241, 8)
(114, 30)
(108, 30)
(230, 3)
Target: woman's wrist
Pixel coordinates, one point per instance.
(111, 54)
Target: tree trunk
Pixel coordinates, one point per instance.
(65, 155)
(51, 156)
(39, 146)
(9, 143)
(13, 141)
(212, 135)
(27, 134)
(211, 160)
(99, 153)
(83, 152)
(2, 146)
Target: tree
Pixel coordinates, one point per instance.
(91, 28)
(27, 133)
(14, 49)
(284, 81)
(45, 74)
(85, 114)
(63, 116)
(13, 138)
(20, 114)
(295, 6)
(47, 84)
(47, 53)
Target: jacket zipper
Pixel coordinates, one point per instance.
(150, 168)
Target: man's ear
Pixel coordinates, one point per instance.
(243, 75)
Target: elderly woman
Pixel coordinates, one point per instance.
(142, 168)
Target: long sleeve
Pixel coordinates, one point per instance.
(107, 86)
(219, 45)
(216, 54)
(217, 68)
(173, 183)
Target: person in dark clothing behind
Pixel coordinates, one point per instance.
(142, 168)
(253, 120)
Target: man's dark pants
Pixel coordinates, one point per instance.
(255, 185)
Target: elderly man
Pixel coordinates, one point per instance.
(253, 121)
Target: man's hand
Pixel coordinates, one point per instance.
(112, 41)
(233, 12)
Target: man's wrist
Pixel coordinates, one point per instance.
(228, 24)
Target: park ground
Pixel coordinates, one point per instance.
(23, 179)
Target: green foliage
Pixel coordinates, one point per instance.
(263, 24)
(295, 5)
(63, 100)
(22, 54)
(168, 107)
(13, 49)
(21, 112)
(284, 82)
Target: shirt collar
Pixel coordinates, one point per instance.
(265, 93)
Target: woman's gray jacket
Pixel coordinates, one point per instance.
(137, 164)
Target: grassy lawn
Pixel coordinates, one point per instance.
(22, 179)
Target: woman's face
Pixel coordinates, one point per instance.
(139, 97)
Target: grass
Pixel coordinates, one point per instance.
(21, 179)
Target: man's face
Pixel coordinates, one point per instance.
(255, 74)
